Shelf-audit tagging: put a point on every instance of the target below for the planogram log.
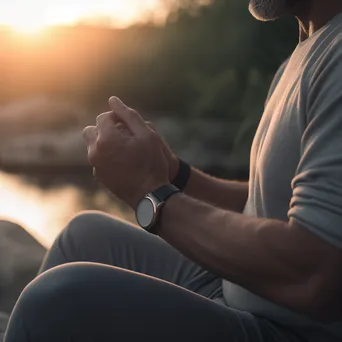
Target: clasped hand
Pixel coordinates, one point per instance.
(128, 156)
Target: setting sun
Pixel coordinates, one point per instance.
(34, 16)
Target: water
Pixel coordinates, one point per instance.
(44, 210)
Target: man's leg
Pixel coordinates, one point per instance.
(100, 238)
(88, 302)
(3, 324)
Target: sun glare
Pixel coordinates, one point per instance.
(42, 214)
(27, 28)
(30, 17)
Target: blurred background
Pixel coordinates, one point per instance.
(200, 70)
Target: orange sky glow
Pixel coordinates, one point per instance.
(33, 16)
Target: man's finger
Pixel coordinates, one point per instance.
(90, 135)
(104, 116)
(107, 127)
(128, 116)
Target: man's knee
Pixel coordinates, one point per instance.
(90, 230)
(92, 224)
(42, 299)
(58, 298)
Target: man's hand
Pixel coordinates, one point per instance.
(126, 153)
(170, 156)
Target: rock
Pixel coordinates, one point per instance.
(20, 259)
(51, 148)
(3, 324)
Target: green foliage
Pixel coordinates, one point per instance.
(227, 58)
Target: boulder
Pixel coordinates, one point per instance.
(20, 259)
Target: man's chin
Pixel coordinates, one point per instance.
(268, 10)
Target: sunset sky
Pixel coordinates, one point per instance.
(34, 15)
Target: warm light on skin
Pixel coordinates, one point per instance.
(30, 17)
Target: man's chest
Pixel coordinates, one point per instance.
(276, 149)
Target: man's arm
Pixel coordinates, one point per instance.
(297, 263)
(280, 261)
(224, 194)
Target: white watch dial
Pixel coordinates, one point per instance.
(145, 213)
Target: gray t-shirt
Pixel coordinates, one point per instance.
(296, 162)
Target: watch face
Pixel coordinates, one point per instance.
(146, 213)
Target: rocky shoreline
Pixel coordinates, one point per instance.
(20, 259)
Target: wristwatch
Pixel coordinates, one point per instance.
(149, 208)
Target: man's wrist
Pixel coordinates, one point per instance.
(158, 229)
(183, 175)
(148, 190)
(174, 167)
(150, 207)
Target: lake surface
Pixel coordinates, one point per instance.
(43, 207)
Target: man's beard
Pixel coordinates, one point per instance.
(267, 10)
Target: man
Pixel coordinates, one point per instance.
(233, 262)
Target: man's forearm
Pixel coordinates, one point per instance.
(229, 195)
(267, 257)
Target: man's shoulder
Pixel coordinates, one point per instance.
(276, 78)
(323, 79)
(326, 49)
(335, 36)
(325, 64)
(281, 69)
(334, 52)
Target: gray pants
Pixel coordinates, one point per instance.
(105, 280)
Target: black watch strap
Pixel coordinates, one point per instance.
(165, 192)
(183, 175)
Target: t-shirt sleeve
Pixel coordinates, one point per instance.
(317, 186)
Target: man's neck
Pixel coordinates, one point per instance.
(313, 15)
